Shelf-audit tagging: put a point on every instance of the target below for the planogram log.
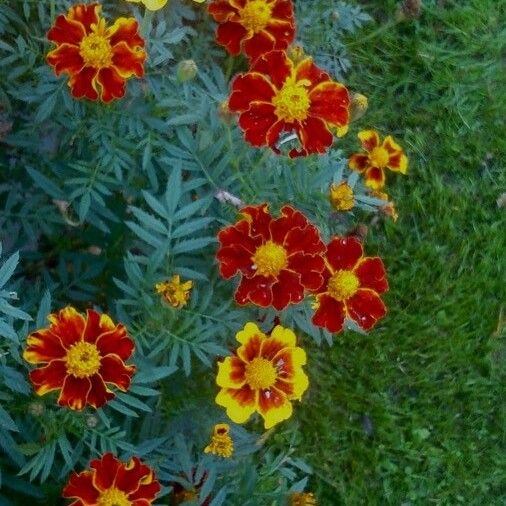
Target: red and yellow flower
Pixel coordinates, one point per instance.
(351, 288)
(379, 156)
(253, 26)
(98, 59)
(81, 357)
(277, 258)
(110, 482)
(277, 96)
(263, 376)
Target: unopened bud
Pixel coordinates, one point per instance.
(186, 70)
(36, 408)
(296, 53)
(91, 421)
(95, 250)
(358, 106)
(224, 112)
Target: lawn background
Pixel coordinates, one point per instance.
(414, 413)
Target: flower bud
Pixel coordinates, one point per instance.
(91, 421)
(358, 106)
(186, 70)
(36, 408)
(296, 53)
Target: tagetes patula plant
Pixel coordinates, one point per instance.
(110, 482)
(253, 26)
(278, 258)
(379, 156)
(277, 96)
(263, 376)
(99, 59)
(352, 287)
(81, 356)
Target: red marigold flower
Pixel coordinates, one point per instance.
(255, 26)
(277, 96)
(81, 356)
(379, 156)
(98, 59)
(351, 288)
(111, 482)
(278, 258)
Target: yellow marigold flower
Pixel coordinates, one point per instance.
(175, 292)
(155, 5)
(221, 443)
(302, 499)
(341, 196)
(263, 376)
(389, 207)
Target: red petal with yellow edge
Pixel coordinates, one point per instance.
(330, 101)
(250, 349)
(231, 370)
(113, 85)
(259, 220)
(358, 162)
(83, 84)
(273, 134)
(290, 218)
(230, 35)
(283, 10)
(233, 259)
(237, 234)
(274, 407)
(256, 290)
(287, 290)
(106, 470)
(369, 139)
(81, 486)
(330, 314)
(145, 494)
(306, 69)
(261, 43)
(256, 121)
(87, 15)
(43, 346)
(285, 388)
(282, 31)
(68, 325)
(74, 392)
(65, 58)
(222, 11)
(274, 64)
(375, 178)
(99, 393)
(125, 30)
(366, 308)
(314, 135)
(117, 342)
(49, 378)
(310, 268)
(398, 163)
(371, 273)
(128, 62)
(240, 404)
(244, 396)
(247, 88)
(344, 252)
(271, 347)
(306, 240)
(65, 31)
(113, 370)
(129, 476)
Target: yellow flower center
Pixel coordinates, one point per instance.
(260, 373)
(255, 15)
(379, 157)
(83, 360)
(292, 101)
(270, 259)
(343, 284)
(95, 49)
(113, 497)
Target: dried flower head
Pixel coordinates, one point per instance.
(174, 292)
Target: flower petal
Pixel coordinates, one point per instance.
(358, 162)
(146, 493)
(310, 268)
(106, 470)
(287, 290)
(231, 372)
(261, 43)
(375, 178)
(49, 378)
(113, 85)
(66, 31)
(274, 407)
(125, 30)
(222, 10)
(306, 69)
(129, 476)
(250, 87)
(68, 325)
(230, 36)
(251, 338)
(43, 346)
(366, 308)
(233, 259)
(314, 135)
(330, 101)
(259, 220)
(65, 58)
(330, 314)
(369, 139)
(284, 335)
(398, 163)
(80, 486)
(274, 64)
(240, 404)
(117, 342)
(371, 273)
(114, 370)
(99, 394)
(257, 290)
(83, 84)
(256, 122)
(127, 61)
(344, 252)
(74, 392)
(87, 15)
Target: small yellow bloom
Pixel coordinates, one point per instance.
(302, 499)
(175, 292)
(341, 196)
(221, 443)
(151, 5)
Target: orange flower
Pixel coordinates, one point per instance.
(277, 96)
(80, 356)
(264, 375)
(254, 26)
(351, 288)
(378, 158)
(111, 482)
(98, 59)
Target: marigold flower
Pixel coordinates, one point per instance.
(378, 158)
(389, 207)
(358, 106)
(110, 482)
(98, 59)
(277, 96)
(175, 292)
(253, 26)
(264, 375)
(341, 196)
(221, 443)
(151, 5)
(302, 499)
(351, 288)
(277, 258)
(83, 355)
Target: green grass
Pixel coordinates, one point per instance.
(414, 412)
